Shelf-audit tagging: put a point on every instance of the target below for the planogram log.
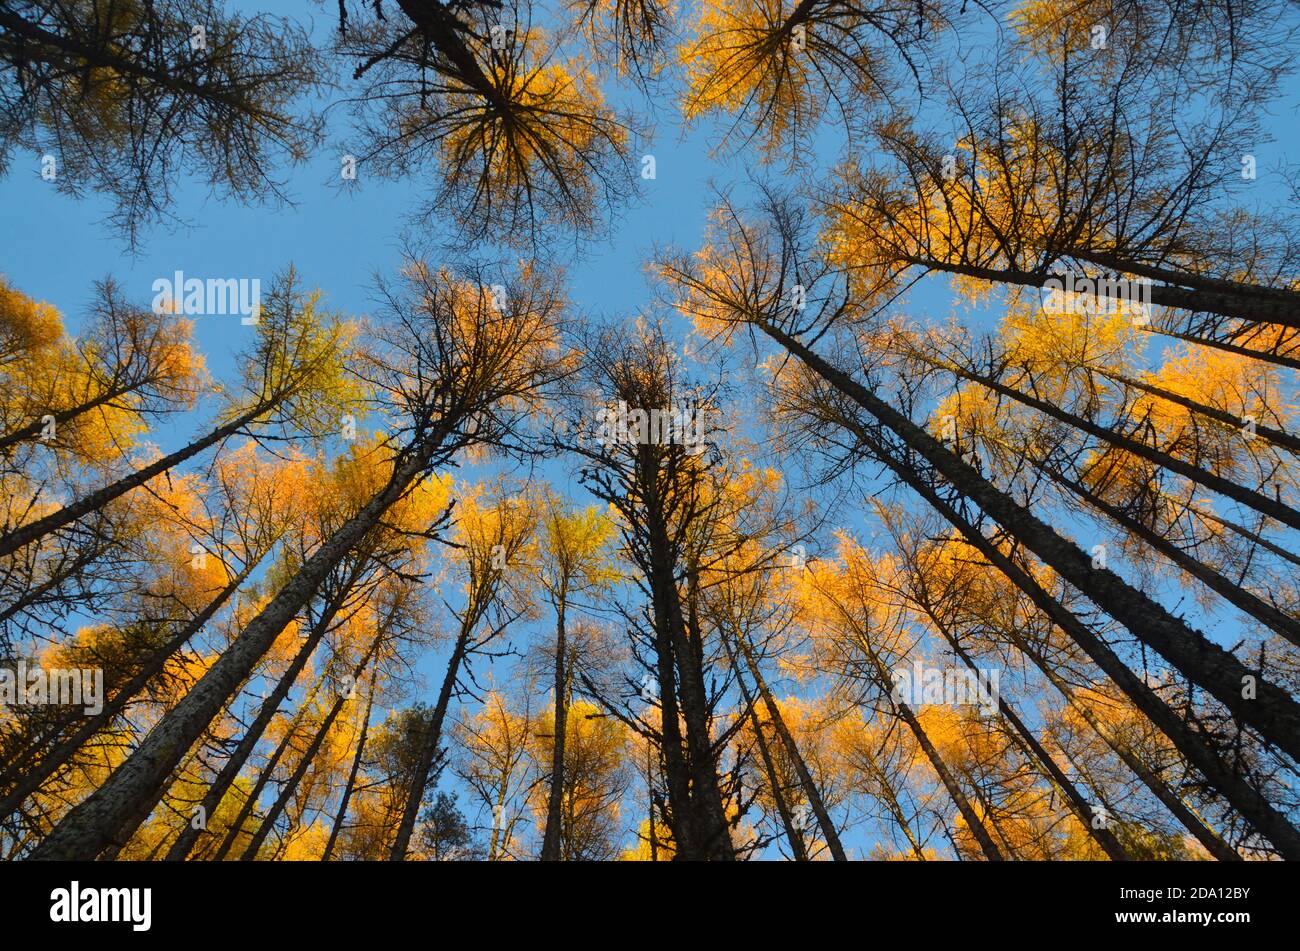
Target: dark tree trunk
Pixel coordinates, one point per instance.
(34, 531)
(1270, 310)
(49, 764)
(305, 761)
(112, 812)
(1273, 712)
(1249, 603)
(1226, 487)
(811, 792)
(551, 838)
(973, 820)
(1036, 753)
(252, 736)
(429, 749)
(346, 799)
(1276, 436)
(793, 834)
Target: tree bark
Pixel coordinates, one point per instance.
(346, 799)
(113, 811)
(1035, 752)
(1273, 712)
(1276, 436)
(1249, 603)
(182, 847)
(429, 751)
(1282, 312)
(52, 761)
(1159, 788)
(1256, 500)
(551, 838)
(813, 794)
(304, 762)
(793, 834)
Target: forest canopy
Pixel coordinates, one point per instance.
(935, 499)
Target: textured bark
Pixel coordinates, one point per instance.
(1159, 788)
(1201, 282)
(31, 779)
(695, 811)
(712, 831)
(551, 838)
(1245, 798)
(1273, 712)
(1151, 624)
(114, 810)
(222, 782)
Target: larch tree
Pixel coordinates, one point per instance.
(451, 358)
(125, 97)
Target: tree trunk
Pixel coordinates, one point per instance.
(52, 761)
(1276, 436)
(1282, 312)
(712, 829)
(793, 834)
(1249, 603)
(1256, 500)
(811, 792)
(34, 531)
(1035, 752)
(252, 736)
(1277, 359)
(264, 777)
(551, 838)
(1121, 265)
(305, 761)
(346, 799)
(1236, 790)
(1159, 788)
(1273, 712)
(973, 821)
(429, 751)
(33, 429)
(113, 811)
